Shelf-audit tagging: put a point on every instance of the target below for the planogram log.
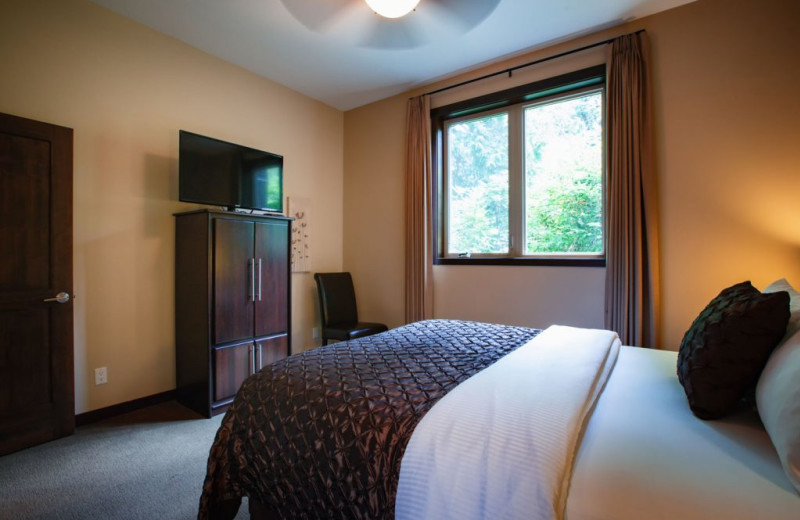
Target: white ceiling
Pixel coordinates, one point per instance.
(333, 50)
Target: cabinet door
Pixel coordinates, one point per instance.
(271, 350)
(234, 280)
(232, 365)
(272, 293)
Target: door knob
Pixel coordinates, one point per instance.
(62, 297)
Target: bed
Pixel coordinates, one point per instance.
(322, 433)
(325, 434)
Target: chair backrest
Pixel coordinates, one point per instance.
(337, 298)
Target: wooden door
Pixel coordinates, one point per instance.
(234, 280)
(37, 401)
(272, 301)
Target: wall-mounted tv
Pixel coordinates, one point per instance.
(218, 173)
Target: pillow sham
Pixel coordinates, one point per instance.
(778, 403)
(794, 304)
(723, 352)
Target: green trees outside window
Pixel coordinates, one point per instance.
(564, 176)
(526, 180)
(478, 185)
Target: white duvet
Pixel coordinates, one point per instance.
(502, 443)
(644, 456)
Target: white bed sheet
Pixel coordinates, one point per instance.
(645, 456)
(501, 444)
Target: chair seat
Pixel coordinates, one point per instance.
(345, 331)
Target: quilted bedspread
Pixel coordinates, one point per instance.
(321, 434)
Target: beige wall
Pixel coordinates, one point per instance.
(126, 91)
(374, 212)
(726, 77)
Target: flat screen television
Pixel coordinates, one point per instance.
(218, 173)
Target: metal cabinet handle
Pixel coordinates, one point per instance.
(260, 360)
(62, 297)
(252, 359)
(259, 279)
(252, 265)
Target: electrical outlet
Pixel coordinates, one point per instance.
(315, 332)
(100, 376)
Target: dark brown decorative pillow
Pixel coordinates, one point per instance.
(727, 346)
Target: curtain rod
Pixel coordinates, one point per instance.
(511, 70)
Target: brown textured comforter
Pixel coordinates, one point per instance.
(321, 434)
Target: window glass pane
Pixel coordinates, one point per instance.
(564, 176)
(477, 188)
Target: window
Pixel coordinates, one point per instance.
(521, 174)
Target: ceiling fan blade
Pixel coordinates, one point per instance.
(316, 14)
(395, 34)
(465, 14)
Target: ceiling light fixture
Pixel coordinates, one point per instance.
(392, 8)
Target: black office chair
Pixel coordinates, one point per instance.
(337, 305)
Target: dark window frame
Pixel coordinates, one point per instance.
(554, 86)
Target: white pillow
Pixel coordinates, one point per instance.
(778, 401)
(794, 305)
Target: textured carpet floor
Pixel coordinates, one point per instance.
(148, 464)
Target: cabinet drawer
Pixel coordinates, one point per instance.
(271, 350)
(232, 365)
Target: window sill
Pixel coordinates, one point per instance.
(506, 260)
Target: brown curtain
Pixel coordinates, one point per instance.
(632, 270)
(419, 222)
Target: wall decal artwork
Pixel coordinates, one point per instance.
(300, 211)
